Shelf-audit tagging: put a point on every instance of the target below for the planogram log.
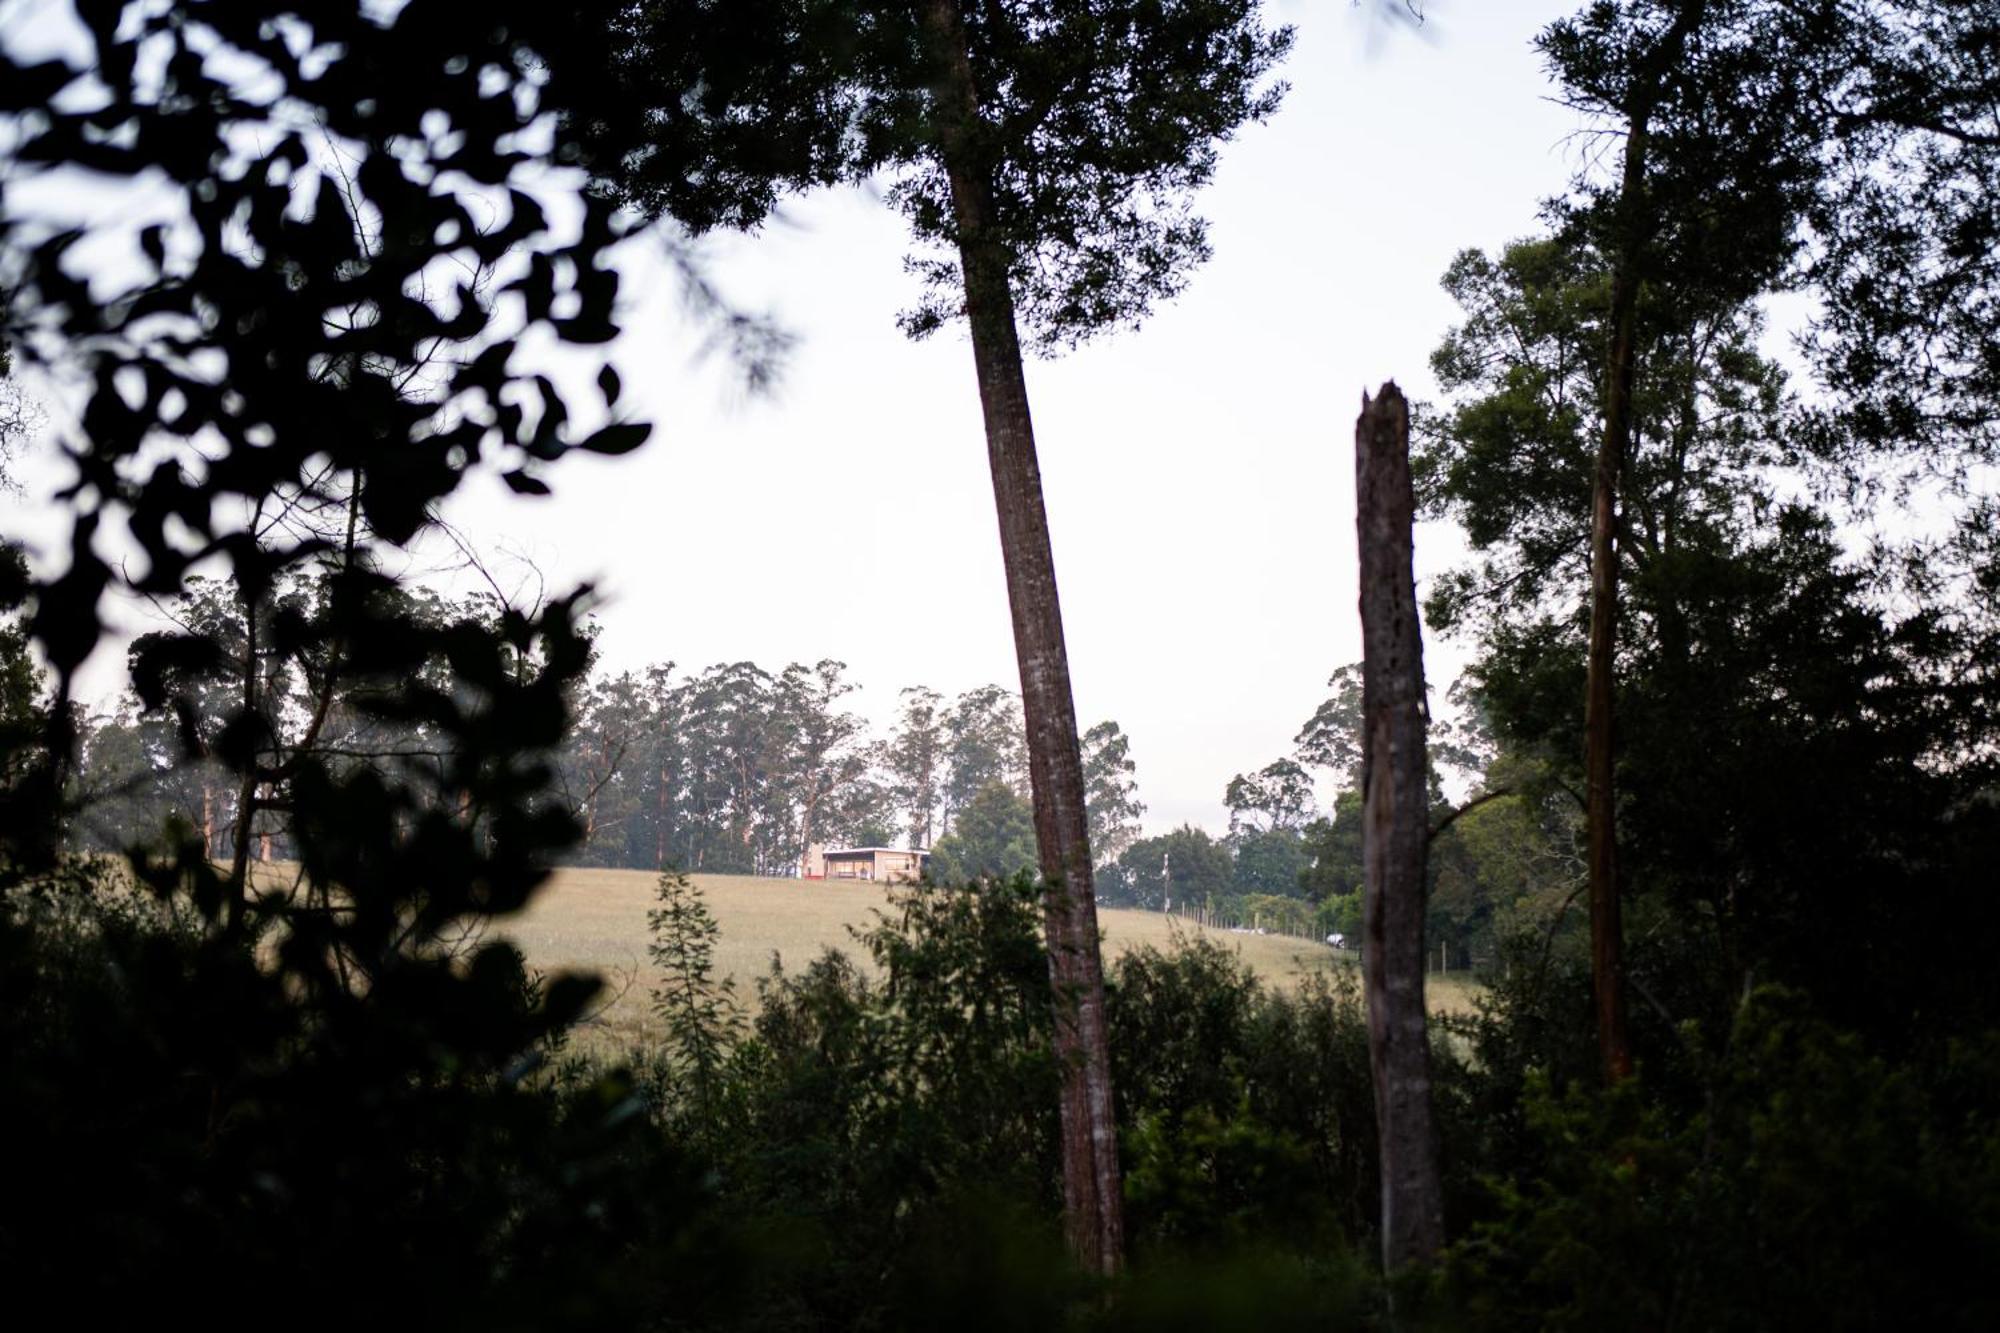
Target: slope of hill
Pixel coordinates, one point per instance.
(596, 919)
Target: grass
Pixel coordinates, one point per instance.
(596, 920)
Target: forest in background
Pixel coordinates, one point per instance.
(1736, 671)
(736, 770)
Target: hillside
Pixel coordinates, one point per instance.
(597, 919)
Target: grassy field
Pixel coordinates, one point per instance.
(596, 919)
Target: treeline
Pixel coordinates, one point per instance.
(738, 769)
(734, 770)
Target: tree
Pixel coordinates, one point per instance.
(698, 1009)
(1269, 861)
(984, 744)
(822, 758)
(915, 760)
(302, 1084)
(19, 417)
(1334, 846)
(1278, 796)
(1711, 188)
(972, 107)
(993, 838)
(1906, 235)
(1184, 868)
(1331, 738)
(1111, 792)
(604, 768)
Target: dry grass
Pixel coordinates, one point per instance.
(596, 920)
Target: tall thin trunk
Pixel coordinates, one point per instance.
(1607, 967)
(1093, 1201)
(246, 796)
(660, 823)
(1395, 834)
(1607, 964)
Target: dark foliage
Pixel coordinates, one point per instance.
(1098, 121)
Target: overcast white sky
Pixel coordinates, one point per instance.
(1198, 472)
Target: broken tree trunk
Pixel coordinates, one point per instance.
(1395, 834)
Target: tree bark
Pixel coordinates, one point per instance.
(1607, 966)
(1093, 1203)
(1395, 834)
(1607, 963)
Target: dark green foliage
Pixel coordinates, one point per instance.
(893, 1139)
(174, 1103)
(878, 1112)
(992, 837)
(697, 1008)
(1098, 121)
(1187, 865)
(1270, 861)
(310, 1101)
(1814, 1183)
(1908, 230)
(1250, 1110)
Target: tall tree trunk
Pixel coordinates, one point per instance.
(1635, 225)
(1607, 966)
(1093, 1202)
(246, 795)
(1395, 834)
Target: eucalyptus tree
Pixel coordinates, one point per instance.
(1111, 791)
(1715, 101)
(1277, 796)
(823, 756)
(1044, 153)
(915, 759)
(985, 743)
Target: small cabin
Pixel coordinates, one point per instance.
(885, 864)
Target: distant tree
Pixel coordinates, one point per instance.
(985, 743)
(1333, 848)
(1183, 868)
(1112, 791)
(1277, 796)
(604, 767)
(1269, 861)
(733, 757)
(21, 686)
(992, 838)
(18, 416)
(1331, 738)
(916, 759)
(823, 756)
(864, 812)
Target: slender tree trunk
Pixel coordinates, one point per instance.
(1607, 966)
(1395, 834)
(1607, 963)
(1093, 1199)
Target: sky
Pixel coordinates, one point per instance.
(1198, 471)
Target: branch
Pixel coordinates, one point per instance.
(1471, 805)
